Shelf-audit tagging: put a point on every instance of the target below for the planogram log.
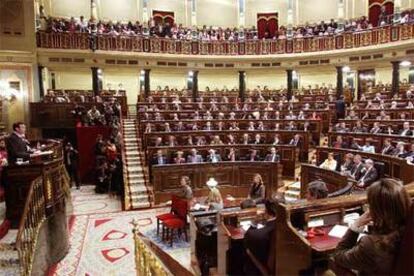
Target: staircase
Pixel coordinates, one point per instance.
(9, 256)
(293, 192)
(138, 194)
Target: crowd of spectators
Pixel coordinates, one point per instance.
(108, 115)
(153, 28)
(109, 170)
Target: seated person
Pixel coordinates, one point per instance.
(410, 153)
(330, 163)
(400, 150)
(341, 128)
(253, 156)
(214, 198)
(291, 126)
(375, 128)
(216, 140)
(158, 142)
(93, 115)
(406, 131)
(316, 190)
(257, 189)
(159, 159)
(276, 140)
(179, 159)
(339, 143)
(213, 157)
(246, 139)
(185, 189)
(194, 157)
(348, 163)
(232, 156)
(259, 243)
(388, 148)
(367, 147)
(388, 220)
(359, 127)
(258, 139)
(369, 175)
(357, 169)
(172, 142)
(272, 156)
(296, 141)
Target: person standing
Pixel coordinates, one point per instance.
(71, 164)
(18, 147)
(340, 108)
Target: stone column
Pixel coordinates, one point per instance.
(242, 85)
(241, 12)
(40, 72)
(290, 19)
(339, 81)
(194, 86)
(94, 10)
(96, 80)
(341, 14)
(289, 74)
(145, 16)
(395, 77)
(147, 80)
(193, 13)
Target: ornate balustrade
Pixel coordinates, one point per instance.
(346, 40)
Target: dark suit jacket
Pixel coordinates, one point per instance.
(155, 160)
(388, 150)
(269, 157)
(408, 133)
(357, 171)
(256, 158)
(16, 148)
(369, 177)
(364, 255)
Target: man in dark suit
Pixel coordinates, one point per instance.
(340, 108)
(388, 148)
(406, 130)
(296, 141)
(17, 145)
(159, 159)
(272, 156)
(253, 156)
(259, 243)
(370, 175)
(194, 157)
(356, 171)
(71, 163)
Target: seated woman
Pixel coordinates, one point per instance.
(257, 189)
(185, 192)
(374, 253)
(214, 199)
(330, 163)
(317, 190)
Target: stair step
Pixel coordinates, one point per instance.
(13, 270)
(9, 257)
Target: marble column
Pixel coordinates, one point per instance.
(194, 85)
(289, 74)
(242, 85)
(395, 77)
(339, 81)
(147, 81)
(96, 80)
(40, 71)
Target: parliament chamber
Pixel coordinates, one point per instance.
(202, 137)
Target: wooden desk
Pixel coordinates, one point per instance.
(288, 154)
(234, 178)
(333, 179)
(394, 167)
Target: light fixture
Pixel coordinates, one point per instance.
(405, 63)
(346, 69)
(211, 183)
(190, 73)
(7, 93)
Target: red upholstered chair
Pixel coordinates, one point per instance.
(172, 214)
(178, 223)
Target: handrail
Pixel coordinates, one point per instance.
(152, 260)
(346, 40)
(34, 215)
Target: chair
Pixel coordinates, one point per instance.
(177, 223)
(172, 214)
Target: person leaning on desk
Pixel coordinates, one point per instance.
(18, 147)
(376, 252)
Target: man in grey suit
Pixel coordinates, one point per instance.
(272, 156)
(194, 157)
(213, 157)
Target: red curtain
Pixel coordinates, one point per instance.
(375, 10)
(163, 16)
(86, 137)
(267, 24)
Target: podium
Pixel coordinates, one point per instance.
(18, 180)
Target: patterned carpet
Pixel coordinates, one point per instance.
(101, 237)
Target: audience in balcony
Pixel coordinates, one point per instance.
(178, 31)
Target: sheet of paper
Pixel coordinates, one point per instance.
(316, 223)
(338, 231)
(245, 224)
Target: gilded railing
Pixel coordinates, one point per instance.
(33, 216)
(42, 192)
(147, 262)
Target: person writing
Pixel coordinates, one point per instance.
(374, 253)
(257, 189)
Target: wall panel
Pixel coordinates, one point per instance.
(123, 10)
(69, 8)
(176, 6)
(317, 10)
(220, 13)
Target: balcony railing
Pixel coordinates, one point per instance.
(347, 40)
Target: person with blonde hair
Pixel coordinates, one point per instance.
(257, 189)
(374, 253)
